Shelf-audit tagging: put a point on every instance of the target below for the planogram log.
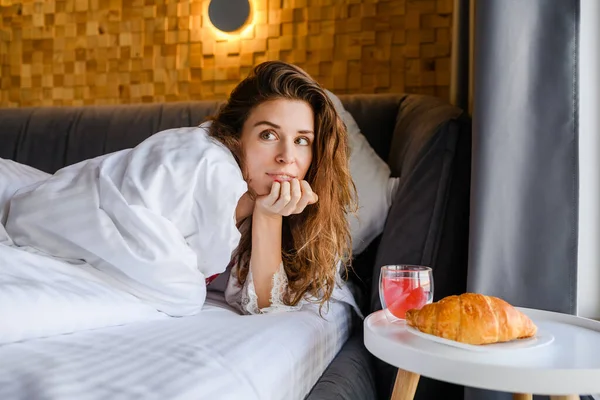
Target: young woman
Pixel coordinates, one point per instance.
(284, 131)
(263, 187)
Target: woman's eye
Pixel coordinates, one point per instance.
(267, 135)
(303, 141)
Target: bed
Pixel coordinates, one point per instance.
(131, 352)
(216, 354)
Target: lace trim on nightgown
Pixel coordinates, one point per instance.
(246, 300)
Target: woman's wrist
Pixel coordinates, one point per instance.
(264, 215)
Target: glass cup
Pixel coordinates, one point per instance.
(404, 287)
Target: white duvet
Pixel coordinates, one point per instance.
(121, 238)
(42, 297)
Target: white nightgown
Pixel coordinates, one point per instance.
(244, 298)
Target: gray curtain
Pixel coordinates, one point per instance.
(523, 240)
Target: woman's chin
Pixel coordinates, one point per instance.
(261, 191)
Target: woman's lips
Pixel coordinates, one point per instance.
(281, 177)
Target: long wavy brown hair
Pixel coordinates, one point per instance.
(314, 241)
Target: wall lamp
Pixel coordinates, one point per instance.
(229, 16)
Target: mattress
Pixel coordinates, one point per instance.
(216, 354)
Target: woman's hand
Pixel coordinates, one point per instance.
(286, 198)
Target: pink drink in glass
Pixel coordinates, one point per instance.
(405, 287)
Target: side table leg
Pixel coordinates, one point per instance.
(568, 397)
(405, 386)
(522, 396)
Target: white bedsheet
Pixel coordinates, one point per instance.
(217, 354)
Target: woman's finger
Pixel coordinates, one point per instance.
(296, 195)
(274, 194)
(307, 190)
(306, 196)
(284, 197)
(266, 201)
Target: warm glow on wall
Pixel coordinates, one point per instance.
(78, 52)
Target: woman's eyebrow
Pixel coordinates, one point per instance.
(272, 125)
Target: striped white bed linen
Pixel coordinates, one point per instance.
(14, 176)
(217, 354)
(41, 296)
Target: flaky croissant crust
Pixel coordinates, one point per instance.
(472, 318)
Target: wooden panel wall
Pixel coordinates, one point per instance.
(73, 52)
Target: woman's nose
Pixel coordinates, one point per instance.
(286, 154)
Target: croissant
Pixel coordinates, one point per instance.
(472, 318)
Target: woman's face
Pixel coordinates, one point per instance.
(277, 141)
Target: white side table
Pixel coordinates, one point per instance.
(563, 369)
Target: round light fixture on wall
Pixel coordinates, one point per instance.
(229, 15)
